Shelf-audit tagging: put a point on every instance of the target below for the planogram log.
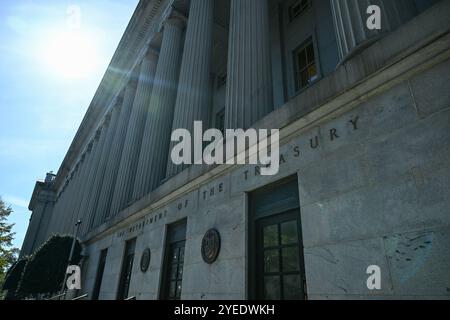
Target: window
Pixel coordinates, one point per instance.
(174, 261)
(279, 258)
(99, 276)
(276, 264)
(305, 65)
(298, 8)
(127, 267)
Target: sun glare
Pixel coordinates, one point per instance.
(70, 54)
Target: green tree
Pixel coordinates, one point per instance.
(13, 277)
(45, 270)
(8, 254)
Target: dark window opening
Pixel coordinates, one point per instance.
(298, 8)
(99, 276)
(174, 261)
(279, 258)
(305, 65)
(127, 267)
(276, 263)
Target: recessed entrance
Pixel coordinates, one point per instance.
(276, 266)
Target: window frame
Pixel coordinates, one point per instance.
(303, 47)
(124, 287)
(99, 275)
(175, 237)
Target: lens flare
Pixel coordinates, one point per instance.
(70, 54)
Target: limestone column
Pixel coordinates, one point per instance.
(78, 183)
(77, 197)
(249, 84)
(156, 140)
(132, 145)
(99, 176)
(113, 164)
(64, 215)
(60, 218)
(68, 212)
(87, 188)
(193, 97)
(59, 213)
(350, 21)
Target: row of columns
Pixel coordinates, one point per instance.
(129, 157)
(132, 144)
(156, 139)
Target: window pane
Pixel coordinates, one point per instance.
(181, 255)
(173, 272)
(312, 71)
(271, 236)
(178, 290)
(271, 261)
(290, 258)
(174, 255)
(289, 234)
(272, 288)
(304, 4)
(180, 272)
(304, 78)
(302, 60)
(310, 51)
(292, 287)
(172, 292)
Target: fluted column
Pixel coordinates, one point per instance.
(350, 21)
(65, 215)
(193, 97)
(94, 164)
(156, 140)
(71, 190)
(77, 181)
(64, 199)
(249, 85)
(86, 163)
(58, 224)
(100, 173)
(113, 164)
(132, 145)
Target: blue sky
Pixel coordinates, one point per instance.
(53, 55)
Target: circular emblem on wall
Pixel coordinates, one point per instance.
(145, 260)
(211, 246)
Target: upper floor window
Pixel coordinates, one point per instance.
(298, 8)
(305, 65)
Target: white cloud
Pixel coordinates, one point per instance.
(15, 201)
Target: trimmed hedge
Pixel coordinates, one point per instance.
(45, 270)
(13, 277)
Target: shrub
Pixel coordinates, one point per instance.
(45, 270)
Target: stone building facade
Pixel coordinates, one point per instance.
(364, 180)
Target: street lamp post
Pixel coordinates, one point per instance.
(72, 249)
